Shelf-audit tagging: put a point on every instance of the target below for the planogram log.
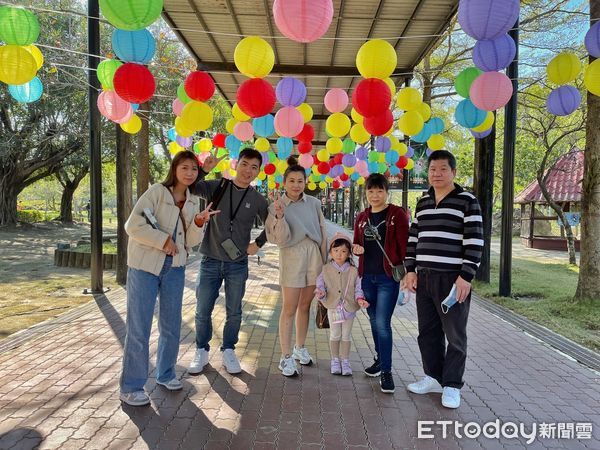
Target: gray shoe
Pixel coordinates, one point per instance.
(137, 398)
(173, 384)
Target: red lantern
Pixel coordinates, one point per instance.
(270, 169)
(371, 97)
(307, 133)
(219, 140)
(256, 97)
(332, 162)
(380, 124)
(344, 177)
(323, 168)
(338, 158)
(199, 86)
(304, 147)
(402, 162)
(336, 184)
(134, 83)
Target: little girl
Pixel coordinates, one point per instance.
(339, 289)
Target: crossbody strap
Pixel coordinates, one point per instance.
(379, 243)
(180, 215)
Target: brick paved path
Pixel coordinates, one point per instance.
(60, 388)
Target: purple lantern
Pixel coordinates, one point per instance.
(494, 55)
(483, 134)
(362, 153)
(349, 160)
(410, 152)
(592, 40)
(487, 19)
(185, 142)
(428, 152)
(382, 144)
(290, 92)
(563, 100)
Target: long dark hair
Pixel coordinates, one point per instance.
(171, 179)
(293, 166)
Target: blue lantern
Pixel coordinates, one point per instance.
(436, 126)
(264, 126)
(392, 157)
(27, 93)
(135, 106)
(284, 147)
(394, 170)
(172, 134)
(468, 115)
(424, 134)
(134, 46)
(232, 143)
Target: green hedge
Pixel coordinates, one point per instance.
(30, 215)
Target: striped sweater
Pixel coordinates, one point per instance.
(447, 236)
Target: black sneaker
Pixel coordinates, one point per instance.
(374, 370)
(387, 383)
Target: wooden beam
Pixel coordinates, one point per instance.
(297, 69)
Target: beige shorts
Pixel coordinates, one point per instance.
(300, 265)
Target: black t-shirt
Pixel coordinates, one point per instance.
(373, 259)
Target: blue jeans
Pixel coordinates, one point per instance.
(381, 292)
(142, 289)
(212, 274)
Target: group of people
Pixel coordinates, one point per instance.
(437, 255)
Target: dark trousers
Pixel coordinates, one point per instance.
(445, 364)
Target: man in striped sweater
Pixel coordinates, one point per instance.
(444, 249)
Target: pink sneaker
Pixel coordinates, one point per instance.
(346, 369)
(336, 368)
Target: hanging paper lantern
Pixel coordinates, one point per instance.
(423, 135)
(197, 116)
(17, 65)
(205, 145)
(402, 161)
(284, 147)
(36, 53)
(391, 85)
(409, 153)
(491, 91)
(134, 83)
(481, 135)
(306, 111)
(425, 111)
(463, 81)
(114, 107)
(487, 19)
(106, 72)
(18, 26)
(182, 128)
(230, 124)
(334, 145)
(323, 168)
(563, 68)
(349, 160)
(358, 134)
(256, 97)
(356, 116)
(371, 97)
(264, 126)
(131, 14)
(592, 77)
(380, 124)
(392, 158)
(409, 99)
(305, 160)
(494, 55)
(177, 107)
(199, 86)
(243, 131)
(270, 169)
(288, 121)
(383, 144)
(436, 125)
(323, 155)
(175, 148)
(348, 146)
(436, 142)
(262, 144)
(336, 100)
(254, 57)
(219, 140)
(232, 143)
(290, 92)
(134, 46)
(592, 40)
(338, 124)
(468, 115)
(563, 101)
(27, 93)
(410, 123)
(304, 147)
(404, 150)
(134, 125)
(486, 124)
(307, 133)
(238, 114)
(376, 59)
(303, 20)
(182, 95)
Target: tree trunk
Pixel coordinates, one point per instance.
(66, 204)
(143, 148)
(9, 190)
(588, 286)
(124, 189)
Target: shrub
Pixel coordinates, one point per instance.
(30, 215)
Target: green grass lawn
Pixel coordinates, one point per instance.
(543, 292)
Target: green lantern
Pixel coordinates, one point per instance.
(348, 146)
(465, 79)
(106, 72)
(131, 14)
(182, 96)
(18, 26)
(373, 156)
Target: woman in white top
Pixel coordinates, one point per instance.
(296, 224)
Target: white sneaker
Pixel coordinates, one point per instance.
(302, 355)
(137, 398)
(200, 360)
(451, 397)
(173, 384)
(424, 386)
(230, 361)
(288, 367)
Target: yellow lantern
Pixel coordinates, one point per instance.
(334, 145)
(402, 149)
(322, 184)
(323, 155)
(358, 134)
(238, 114)
(436, 142)
(394, 143)
(376, 59)
(338, 124)
(254, 57)
(425, 111)
(486, 124)
(205, 145)
(261, 175)
(230, 124)
(409, 99)
(271, 184)
(306, 111)
(311, 186)
(410, 164)
(262, 144)
(360, 181)
(391, 85)
(181, 129)
(133, 125)
(37, 55)
(315, 171)
(356, 116)
(175, 148)
(348, 170)
(281, 166)
(17, 65)
(328, 179)
(410, 123)
(233, 173)
(197, 116)
(381, 157)
(592, 77)
(223, 166)
(563, 68)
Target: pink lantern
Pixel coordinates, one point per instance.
(491, 91)
(243, 131)
(114, 107)
(303, 20)
(362, 168)
(177, 107)
(305, 160)
(288, 122)
(336, 100)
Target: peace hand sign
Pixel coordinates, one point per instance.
(278, 205)
(211, 161)
(202, 217)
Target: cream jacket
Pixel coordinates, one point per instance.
(144, 251)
